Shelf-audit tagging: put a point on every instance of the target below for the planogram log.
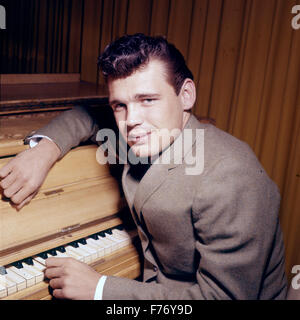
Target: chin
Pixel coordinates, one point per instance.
(144, 153)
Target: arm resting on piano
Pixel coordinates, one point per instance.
(22, 176)
(69, 129)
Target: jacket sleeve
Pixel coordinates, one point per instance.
(238, 240)
(69, 129)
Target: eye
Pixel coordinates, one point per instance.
(118, 107)
(148, 101)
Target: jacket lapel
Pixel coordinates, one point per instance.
(168, 160)
(154, 177)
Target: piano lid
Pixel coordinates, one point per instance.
(32, 92)
(30, 101)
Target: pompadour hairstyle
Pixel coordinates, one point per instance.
(131, 52)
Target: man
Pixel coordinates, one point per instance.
(208, 226)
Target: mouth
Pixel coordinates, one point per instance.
(139, 138)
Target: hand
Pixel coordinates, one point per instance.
(71, 279)
(24, 174)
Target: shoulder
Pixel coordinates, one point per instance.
(221, 148)
(230, 169)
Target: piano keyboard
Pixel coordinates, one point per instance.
(30, 271)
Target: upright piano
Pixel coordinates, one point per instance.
(79, 210)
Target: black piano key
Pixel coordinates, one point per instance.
(3, 271)
(60, 249)
(120, 227)
(74, 244)
(94, 236)
(82, 241)
(28, 261)
(108, 231)
(101, 234)
(43, 255)
(18, 264)
(52, 252)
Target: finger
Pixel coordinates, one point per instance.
(22, 194)
(27, 200)
(56, 262)
(8, 180)
(53, 272)
(13, 188)
(56, 283)
(58, 293)
(5, 170)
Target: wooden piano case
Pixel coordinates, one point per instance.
(79, 197)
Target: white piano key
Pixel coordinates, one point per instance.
(115, 242)
(17, 279)
(73, 254)
(28, 276)
(92, 252)
(91, 244)
(87, 255)
(98, 247)
(69, 254)
(125, 234)
(66, 254)
(106, 244)
(39, 266)
(39, 260)
(38, 274)
(127, 240)
(83, 255)
(60, 254)
(11, 287)
(3, 291)
(20, 281)
(123, 238)
(24, 273)
(120, 232)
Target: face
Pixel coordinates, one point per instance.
(147, 110)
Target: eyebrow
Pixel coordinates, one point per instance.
(112, 102)
(146, 95)
(138, 96)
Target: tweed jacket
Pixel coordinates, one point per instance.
(210, 235)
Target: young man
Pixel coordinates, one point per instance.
(205, 210)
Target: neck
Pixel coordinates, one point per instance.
(186, 116)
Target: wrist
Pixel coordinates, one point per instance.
(49, 149)
(98, 295)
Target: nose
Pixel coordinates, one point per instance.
(134, 116)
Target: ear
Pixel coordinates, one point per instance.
(188, 94)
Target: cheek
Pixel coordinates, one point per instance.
(121, 124)
(167, 116)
